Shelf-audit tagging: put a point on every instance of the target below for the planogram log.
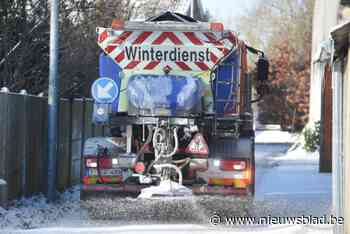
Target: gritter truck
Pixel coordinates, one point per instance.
(177, 97)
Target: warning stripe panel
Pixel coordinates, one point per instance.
(167, 35)
(120, 57)
(202, 66)
(141, 38)
(212, 39)
(114, 45)
(132, 64)
(109, 49)
(151, 65)
(122, 37)
(102, 36)
(183, 66)
(193, 38)
(213, 57)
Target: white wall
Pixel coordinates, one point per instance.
(337, 141)
(325, 18)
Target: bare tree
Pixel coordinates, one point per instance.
(24, 37)
(283, 28)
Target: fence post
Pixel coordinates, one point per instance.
(24, 155)
(70, 133)
(82, 135)
(3, 193)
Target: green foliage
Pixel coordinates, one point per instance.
(312, 138)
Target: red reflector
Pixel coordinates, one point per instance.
(233, 165)
(117, 24)
(105, 163)
(198, 146)
(139, 167)
(219, 27)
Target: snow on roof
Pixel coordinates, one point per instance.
(324, 52)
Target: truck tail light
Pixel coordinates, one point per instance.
(233, 165)
(91, 162)
(104, 163)
(198, 146)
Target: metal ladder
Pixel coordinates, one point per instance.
(232, 98)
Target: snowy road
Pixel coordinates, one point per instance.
(290, 181)
(287, 185)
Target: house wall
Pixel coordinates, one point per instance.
(346, 145)
(325, 18)
(337, 149)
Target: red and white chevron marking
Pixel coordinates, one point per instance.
(115, 44)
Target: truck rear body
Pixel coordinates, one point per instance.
(182, 112)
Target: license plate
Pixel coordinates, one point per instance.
(163, 112)
(111, 172)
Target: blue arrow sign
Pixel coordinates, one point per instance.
(104, 90)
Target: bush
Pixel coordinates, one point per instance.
(312, 138)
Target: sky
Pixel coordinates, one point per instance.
(227, 11)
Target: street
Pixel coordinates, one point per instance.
(287, 185)
(292, 184)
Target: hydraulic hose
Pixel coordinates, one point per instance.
(148, 140)
(157, 154)
(176, 146)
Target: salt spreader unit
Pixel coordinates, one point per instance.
(176, 96)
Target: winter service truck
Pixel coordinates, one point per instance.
(176, 95)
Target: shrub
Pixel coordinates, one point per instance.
(312, 138)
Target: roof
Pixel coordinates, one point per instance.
(340, 36)
(170, 16)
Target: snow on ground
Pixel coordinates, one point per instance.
(274, 137)
(34, 212)
(299, 154)
(287, 184)
(184, 229)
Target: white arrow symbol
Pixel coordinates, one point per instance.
(103, 92)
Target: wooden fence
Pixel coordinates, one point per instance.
(23, 142)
